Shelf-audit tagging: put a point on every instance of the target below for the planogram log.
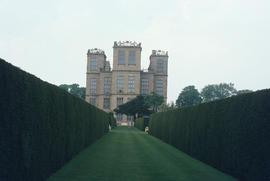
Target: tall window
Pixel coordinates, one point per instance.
(120, 84)
(159, 65)
(159, 87)
(119, 101)
(131, 58)
(119, 117)
(93, 86)
(121, 57)
(107, 85)
(131, 84)
(130, 118)
(93, 101)
(93, 64)
(144, 86)
(106, 103)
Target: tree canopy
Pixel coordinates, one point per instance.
(217, 91)
(166, 107)
(74, 89)
(141, 105)
(135, 107)
(189, 96)
(154, 100)
(244, 91)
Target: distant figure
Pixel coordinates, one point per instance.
(146, 129)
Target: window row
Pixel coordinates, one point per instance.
(108, 82)
(132, 60)
(107, 85)
(145, 86)
(131, 85)
(107, 102)
(122, 61)
(122, 57)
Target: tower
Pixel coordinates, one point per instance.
(159, 67)
(125, 73)
(96, 61)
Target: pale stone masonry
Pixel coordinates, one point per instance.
(107, 88)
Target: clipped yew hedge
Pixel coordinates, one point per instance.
(141, 123)
(41, 126)
(112, 120)
(232, 135)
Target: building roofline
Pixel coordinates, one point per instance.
(159, 53)
(96, 51)
(126, 44)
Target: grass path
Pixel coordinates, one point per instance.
(126, 154)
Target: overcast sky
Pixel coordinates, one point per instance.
(209, 41)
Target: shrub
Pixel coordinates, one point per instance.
(41, 126)
(141, 123)
(112, 120)
(232, 135)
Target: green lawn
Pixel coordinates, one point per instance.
(127, 154)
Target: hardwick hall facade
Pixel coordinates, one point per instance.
(108, 87)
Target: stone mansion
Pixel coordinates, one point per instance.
(108, 87)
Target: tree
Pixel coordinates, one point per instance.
(217, 91)
(172, 105)
(244, 91)
(189, 96)
(141, 105)
(74, 89)
(163, 107)
(166, 107)
(135, 107)
(154, 101)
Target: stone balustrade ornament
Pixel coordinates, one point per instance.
(159, 53)
(127, 44)
(96, 51)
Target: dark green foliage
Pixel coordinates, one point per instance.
(232, 135)
(154, 101)
(136, 106)
(166, 107)
(74, 89)
(41, 126)
(189, 96)
(112, 120)
(141, 105)
(244, 91)
(217, 91)
(141, 123)
(127, 154)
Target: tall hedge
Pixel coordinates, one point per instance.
(112, 120)
(232, 135)
(41, 126)
(141, 123)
